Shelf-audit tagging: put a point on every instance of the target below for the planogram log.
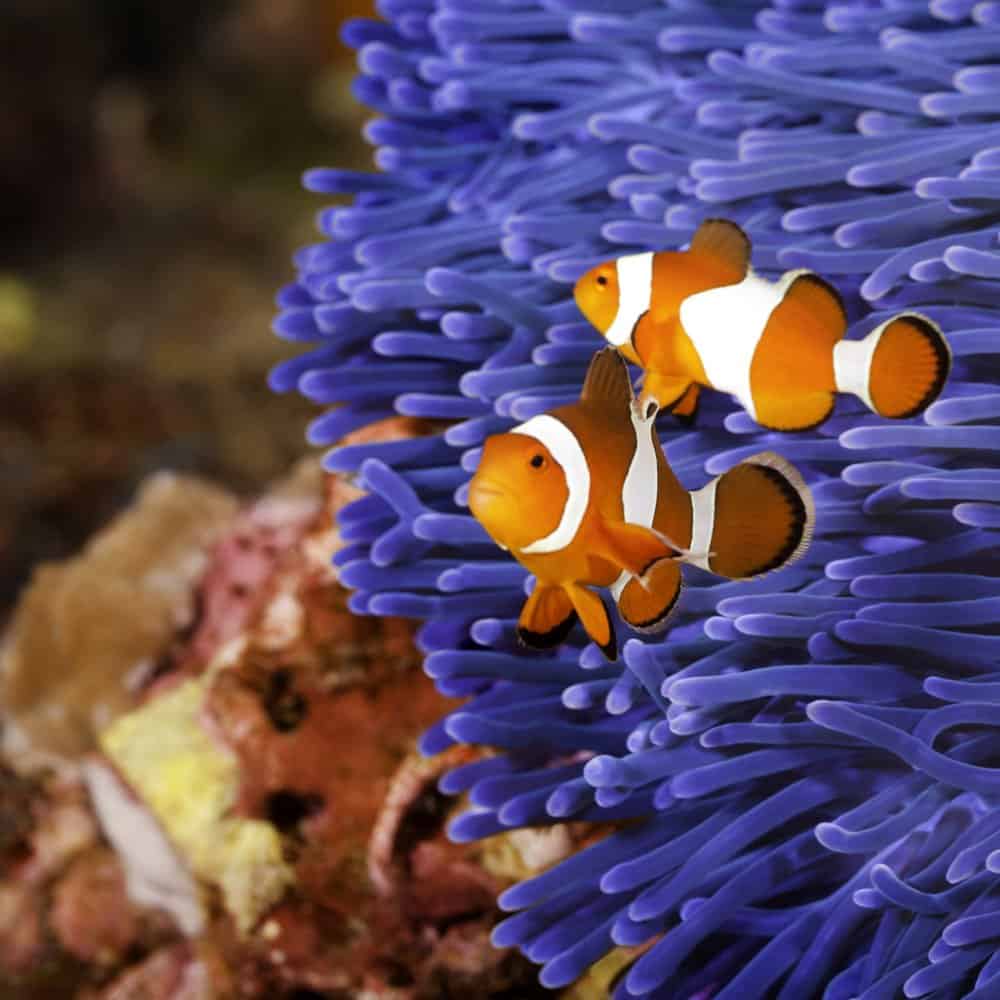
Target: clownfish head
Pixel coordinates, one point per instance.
(597, 295)
(521, 494)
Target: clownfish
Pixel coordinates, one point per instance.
(701, 317)
(583, 497)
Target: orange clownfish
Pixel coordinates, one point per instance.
(583, 497)
(701, 317)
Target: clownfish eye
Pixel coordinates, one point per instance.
(602, 280)
(537, 461)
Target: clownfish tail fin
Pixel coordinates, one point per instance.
(755, 518)
(899, 369)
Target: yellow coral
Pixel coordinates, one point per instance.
(190, 783)
(599, 980)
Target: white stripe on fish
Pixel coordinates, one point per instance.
(565, 450)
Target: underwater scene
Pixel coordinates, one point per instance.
(583, 582)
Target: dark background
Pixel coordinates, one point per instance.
(150, 156)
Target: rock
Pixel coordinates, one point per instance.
(189, 785)
(155, 874)
(88, 913)
(91, 630)
(172, 973)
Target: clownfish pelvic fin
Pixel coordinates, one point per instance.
(547, 617)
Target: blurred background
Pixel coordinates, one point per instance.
(150, 155)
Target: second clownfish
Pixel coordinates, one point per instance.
(701, 317)
(583, 497)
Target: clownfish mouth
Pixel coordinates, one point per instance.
(483, 494)
(482, 491)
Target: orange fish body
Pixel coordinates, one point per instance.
(583, 497)
(701, 317)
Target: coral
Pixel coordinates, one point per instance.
(171, 973)
(87, 915)
(238, 792)
(62, 905)
(88, 633)
(190, 785)
(801, 772)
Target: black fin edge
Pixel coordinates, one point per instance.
(815, 279)
(546, 640)
(799, 521)
(943, 352)
(659, 623)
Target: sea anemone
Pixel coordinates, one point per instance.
(799, 775)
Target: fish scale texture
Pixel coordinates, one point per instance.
(812, 757)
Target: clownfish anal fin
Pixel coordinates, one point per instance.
(725, 241)
(686, 408)
(595, 618)
(607, 381)
(646, 605)
(794, 413)
(632, 547)
(546, 618)
(822, 301)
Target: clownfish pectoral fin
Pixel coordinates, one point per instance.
(607, 381)
(726, 242)
(632, 547)
(800, 412)
(546, 618)
(645, 605)
(757, 517)
(686, 408)
(595, 618)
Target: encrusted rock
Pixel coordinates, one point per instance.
(89, 630)
(89, 914)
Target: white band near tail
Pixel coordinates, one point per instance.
(564, 448)
(702, 524)
(641, 488)
(852, 364)
(725, 325)
(635, 289)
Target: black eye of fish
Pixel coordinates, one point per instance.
(601, 280)
(537, 461)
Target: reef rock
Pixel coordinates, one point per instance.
(89, 631)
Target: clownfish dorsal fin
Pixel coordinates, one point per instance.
(607, 382)
(726, 242)
(820, 299)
